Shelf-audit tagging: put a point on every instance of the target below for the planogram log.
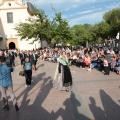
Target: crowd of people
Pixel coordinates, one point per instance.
(101, 58)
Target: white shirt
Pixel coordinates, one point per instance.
(75, 57)
(112, 52)
(105, 63)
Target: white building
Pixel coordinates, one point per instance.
(11, 13)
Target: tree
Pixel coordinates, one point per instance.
(113, 19)
(102, 30)
(40, 28)
(36, 28)
(78, 33)
(82, 33)
(60, 29)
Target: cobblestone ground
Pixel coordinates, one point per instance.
(93, 96)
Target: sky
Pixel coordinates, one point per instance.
(77, 11)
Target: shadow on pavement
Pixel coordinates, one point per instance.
(35, 110)
(41, 65)
(110, 109)
(98, 113)
(76, 104)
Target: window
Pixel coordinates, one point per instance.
(10, 17)
(9, 4)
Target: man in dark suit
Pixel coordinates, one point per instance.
(27, 54)
(33, 58)
(11, 56)
(22, 57)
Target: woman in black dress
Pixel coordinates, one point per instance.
(63, 77)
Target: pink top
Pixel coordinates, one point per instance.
(87, 60)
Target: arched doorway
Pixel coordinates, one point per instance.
(12, 45)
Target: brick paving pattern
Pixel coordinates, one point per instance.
(93, 96)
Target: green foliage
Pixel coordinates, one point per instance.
(57, 30)
(102, 30)
(113, 19)
(82, 33)
(40, 28)
(36, 28)
(60, 29)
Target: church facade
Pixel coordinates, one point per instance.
(11, 13)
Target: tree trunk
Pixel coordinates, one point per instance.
(86, 43)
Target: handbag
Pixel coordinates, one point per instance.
(21, 73)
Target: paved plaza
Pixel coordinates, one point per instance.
(94, 96)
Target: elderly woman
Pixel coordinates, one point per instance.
(63, 78)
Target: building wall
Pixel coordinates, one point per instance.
(20, 14)
(2, 33)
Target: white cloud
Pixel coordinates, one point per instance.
(84, 12)
(77, 11)
(113, 6)
(81, 13)
(72, 6)
(60, 4)
(67, 9)
(87, 18)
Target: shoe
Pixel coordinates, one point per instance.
(103, 71)
(16, 107)
(67, 90)
(89, 69)
(26, 86)
(6, 107)
(105, 74)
